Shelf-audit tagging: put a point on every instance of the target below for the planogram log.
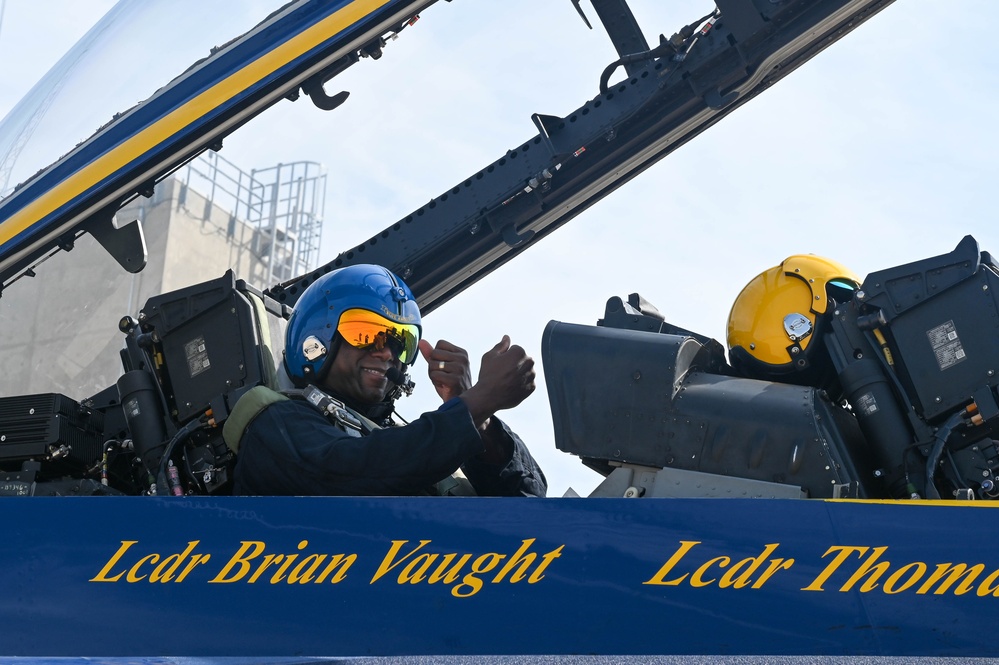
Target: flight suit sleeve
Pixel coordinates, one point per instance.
(520, 475)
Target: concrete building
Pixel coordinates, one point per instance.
(59, 329)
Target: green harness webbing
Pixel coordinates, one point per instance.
(247, 408)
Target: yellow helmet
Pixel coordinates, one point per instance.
(771, 325)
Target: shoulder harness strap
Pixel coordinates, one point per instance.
(336, 411)
(247, 408)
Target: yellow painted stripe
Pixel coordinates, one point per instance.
(183, 116)
(921, 502)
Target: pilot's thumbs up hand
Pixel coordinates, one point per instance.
(506, 378)
(508, 372)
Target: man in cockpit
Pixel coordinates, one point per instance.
(352, 335)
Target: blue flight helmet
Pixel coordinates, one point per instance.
(367, 304)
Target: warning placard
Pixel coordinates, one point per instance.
(946, 345)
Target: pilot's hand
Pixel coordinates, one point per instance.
(447, 367)
(506, 378)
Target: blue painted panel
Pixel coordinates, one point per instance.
(555, 576)
(178, 92)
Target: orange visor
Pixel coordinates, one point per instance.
(362, 329)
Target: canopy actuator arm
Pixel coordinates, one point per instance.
(624, 31)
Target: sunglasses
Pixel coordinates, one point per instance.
(363, 329)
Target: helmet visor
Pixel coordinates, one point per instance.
(363, 329)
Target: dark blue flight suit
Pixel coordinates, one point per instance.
(291, 448)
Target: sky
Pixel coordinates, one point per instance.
(878, 152)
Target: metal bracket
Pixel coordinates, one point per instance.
(313, 86)
(716, 101)
(127, 243)
(514, 239)
(547, 126)
(579, 10)
(324, 101)
(508, 233)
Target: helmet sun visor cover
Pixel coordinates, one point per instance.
(317, 315)
(773, 318)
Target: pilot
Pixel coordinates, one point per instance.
(351, 337)
(777, 321)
